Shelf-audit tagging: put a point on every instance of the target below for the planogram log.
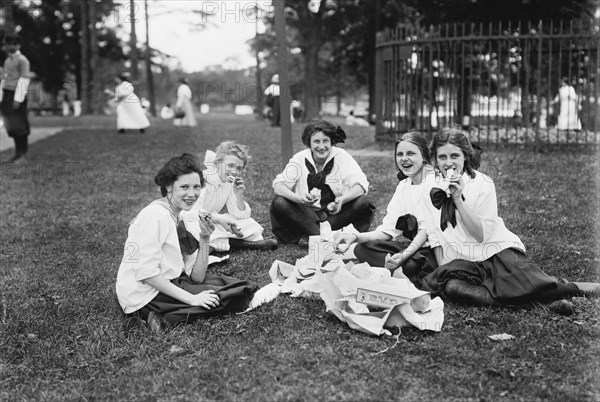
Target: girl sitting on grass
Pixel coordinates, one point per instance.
(225, 189)
(384, 247)
(480, 261)
(156, 282)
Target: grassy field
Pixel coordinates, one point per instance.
(63, 223)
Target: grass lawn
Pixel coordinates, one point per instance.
(63, 223)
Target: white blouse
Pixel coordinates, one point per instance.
(345, 174)
(407, 200)
(456, 242)
(152, 248)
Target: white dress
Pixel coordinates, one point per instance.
(216, 196)
(569, 106)
(184, 103)
(130, 114)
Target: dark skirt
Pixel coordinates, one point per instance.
(290, 221)
(419, 265)
(509, 276)
(15, 120)
(234, 296)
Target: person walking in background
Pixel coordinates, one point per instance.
(184, 109)
(272, 92)
(130, 114)
(13, 94)
(568, 104)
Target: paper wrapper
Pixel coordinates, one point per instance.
(337, 285)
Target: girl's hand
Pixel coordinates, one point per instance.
(307, 199)
(456, 187)
(392, 262)
(344, 241)
(336, 206)
(238, 186)
(207, 299)
(206, 224)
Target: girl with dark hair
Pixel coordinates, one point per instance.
(480, 261)
(386, 245)
(323, 183)
(157, 281)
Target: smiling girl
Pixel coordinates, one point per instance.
(225, 190)
(323, 183)
(403, 219)
(156, 282)
(481, 261)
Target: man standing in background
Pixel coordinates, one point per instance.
(13, 85)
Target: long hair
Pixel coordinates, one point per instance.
(175, 167)
(455, 136)
(415, 138)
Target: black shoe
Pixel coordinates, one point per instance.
(562, 307)
(157, 322)
(121, 131)
(303, 242)
(265, 244)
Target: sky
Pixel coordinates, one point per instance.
(221, 41)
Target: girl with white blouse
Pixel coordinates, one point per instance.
(159, 283)
(480, 261)
(224, 198)
(323, 183)
(386, 246)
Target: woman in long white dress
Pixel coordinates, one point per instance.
(184, 109)
(569, 107)
(130, 114)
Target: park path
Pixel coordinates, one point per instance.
(37, 133)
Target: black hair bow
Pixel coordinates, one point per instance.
(340, 136)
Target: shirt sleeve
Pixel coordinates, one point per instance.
(351, 172)
(291, 174)
(487, 207)
(147, 234)
(233, 209)
(388, 225)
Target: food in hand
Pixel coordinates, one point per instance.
(235, 229)
(332, 206)
(450, 172)
(342, 247)
(315, 193)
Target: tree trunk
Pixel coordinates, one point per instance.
(312, 102)
(9, 23)
(149, 77)
(84, 39)
(133, 43)
(93, 88)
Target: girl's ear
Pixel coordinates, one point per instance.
(169, 188)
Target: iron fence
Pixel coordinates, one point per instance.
(523, 83)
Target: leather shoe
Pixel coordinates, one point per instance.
(562, 307)
(156, 322)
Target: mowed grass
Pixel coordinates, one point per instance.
(63, 223)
